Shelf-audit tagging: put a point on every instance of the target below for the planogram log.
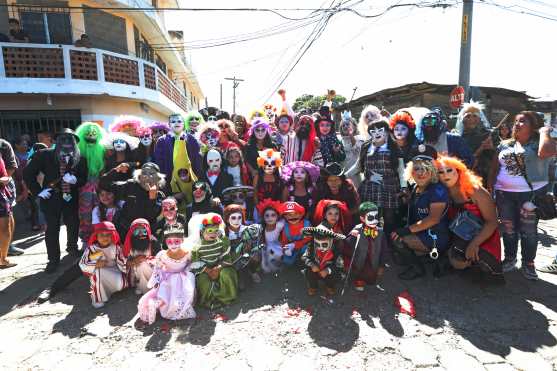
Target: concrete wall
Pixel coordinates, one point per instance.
(99, 109)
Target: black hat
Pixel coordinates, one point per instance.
(334, 169)
(322, 231)
(424, 152)
(67, 131)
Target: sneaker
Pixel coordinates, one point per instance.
(98, 305)
(44, 296)
(256, 277)
(551, 268)
(509, 265)
(15, 251)
(529, 271)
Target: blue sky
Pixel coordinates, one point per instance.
(406, 45)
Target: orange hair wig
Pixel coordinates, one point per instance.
(468, 181)
(402, 116)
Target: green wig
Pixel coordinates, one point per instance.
(93, 151)
(193, 115)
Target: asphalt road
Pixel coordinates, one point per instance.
(460, 324)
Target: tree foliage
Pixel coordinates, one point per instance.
(314, 102)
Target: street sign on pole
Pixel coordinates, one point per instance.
(456, 98)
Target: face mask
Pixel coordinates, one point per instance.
(148, 179)
(303, 132)
(260, 132)
(146, 140)
(214, 160)
(120, 145)
(199, 194)
(322, 245)
(270, 217)
(140, 242)
(91, 137)
(211, 138)
(378, 136)
(284, 125)
(400, 131)
(431, 134)
(372, 219)
(299, 174)
(174, 243)
(269, 167)
(176, 123)
(235, 220)
(212, 119)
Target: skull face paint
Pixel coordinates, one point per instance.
(235, 220)
(210, 138)
(269, 167)
(378, 136)
(66, 147)
(299, 174)
(176, 124)
(214, 160)
(260, 132)
(325, 128)
(270, 217)
(119, 145)
(372, 219)
(146, 140)
(400, 131)
(322, 244)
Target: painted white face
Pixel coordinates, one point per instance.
(174, 243)
(194, 125)
(269, 167)
(284, 124)
(176, 123)
(146, 140)
(270, 217)
(448, 176)
(119, 145)
(260, 132)
(214, 160)
(235, 220)
(346, 128)
(372, 219)
(322, 244)
(378, 136)
(400, 131)
(299, 174)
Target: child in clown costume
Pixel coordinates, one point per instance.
(104, 263)
(91, 147)
(212, 260)
(139, 250)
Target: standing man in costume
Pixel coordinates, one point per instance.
(65, 171)
(177, 150)
(91, 149)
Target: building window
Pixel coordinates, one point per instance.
(142, 48)
(47, 28)
(106, 31)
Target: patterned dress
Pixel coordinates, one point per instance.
(172, 290)
(384, 195)
(224, 289)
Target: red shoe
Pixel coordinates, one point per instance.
(359, 285)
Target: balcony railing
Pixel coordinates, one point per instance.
(67, 62)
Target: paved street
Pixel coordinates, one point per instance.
(460, 324)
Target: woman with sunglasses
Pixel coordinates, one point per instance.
(520, 171)
(427, 233)
(468, 195)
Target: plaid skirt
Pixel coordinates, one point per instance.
(384, 195)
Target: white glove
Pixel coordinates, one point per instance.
(45, 193)
(376, 178)
(69, 178)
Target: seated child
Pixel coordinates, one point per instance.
(172, 284)
(292, 240)
(104, 263)
(139, 250)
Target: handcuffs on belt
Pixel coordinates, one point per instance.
(434, 253)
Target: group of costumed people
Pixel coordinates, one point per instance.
(192, 211)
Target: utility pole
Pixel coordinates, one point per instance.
(220, 97)
(466, 47)
(353, 92)
(235, 83)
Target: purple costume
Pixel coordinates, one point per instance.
(164, 154)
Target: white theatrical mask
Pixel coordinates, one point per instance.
(400, 131)
(176, 123)
(372, 219)
(214, 160)
(378, 136)
(119, 145)
(235, 220)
